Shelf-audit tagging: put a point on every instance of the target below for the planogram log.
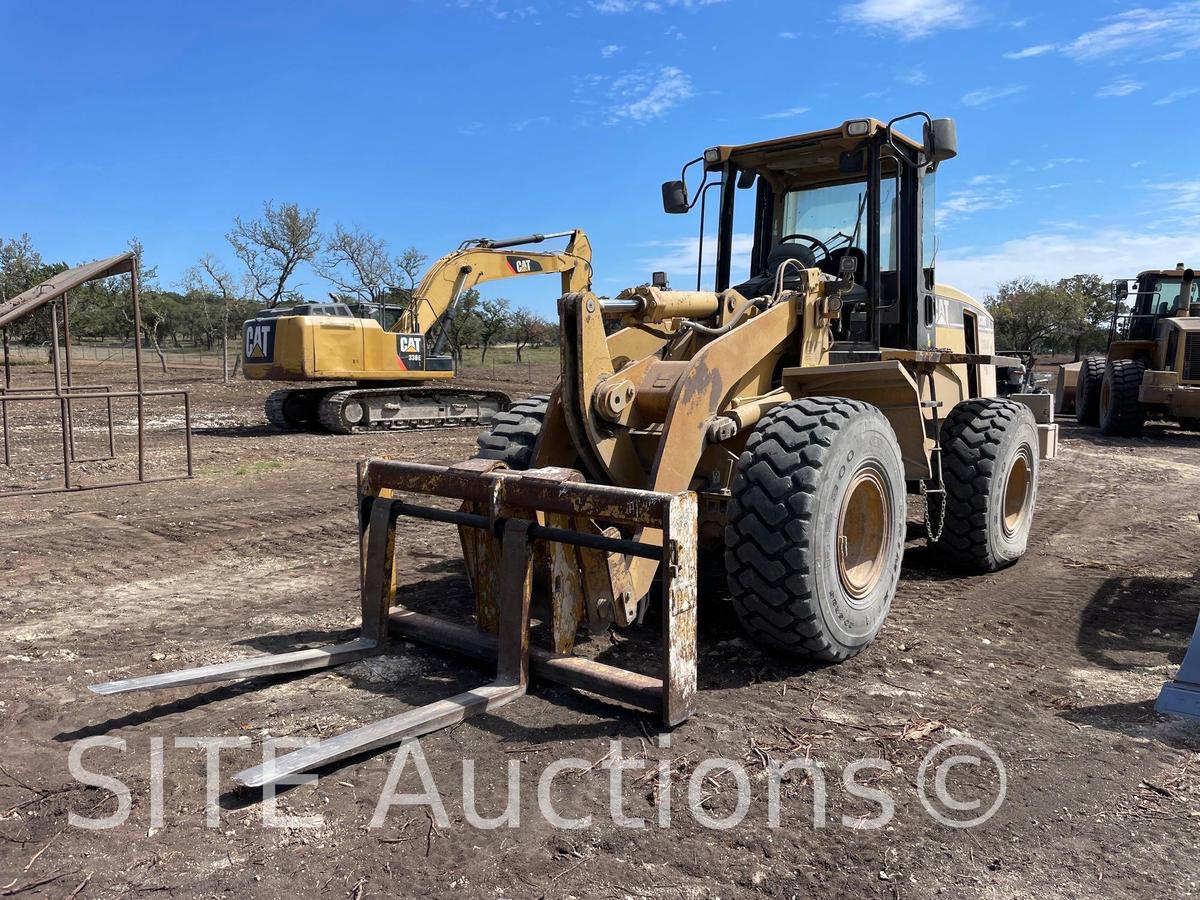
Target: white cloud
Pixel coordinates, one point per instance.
(1059, 161)
(522, 124)
(1175, 27)
(677, 258)
(983, 192)
(984, 96)
(914, 77)
(788, 35)
(909, 18)
(674, 32)
(498, 9)
(610, 50)
(1111, 252)
(1181, 195)
(1028, 52)
(1122, 87)
(647, 93)
(1176, 95)
(619, 7)
(787, 113)
(470, 128)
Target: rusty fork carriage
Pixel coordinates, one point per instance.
(508, 520)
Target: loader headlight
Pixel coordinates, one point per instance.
(712, 155)
(858, 127)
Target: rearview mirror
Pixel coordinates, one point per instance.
(941, 141)
(675, 197)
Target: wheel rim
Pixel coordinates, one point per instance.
(862, 535)
(1018, 488)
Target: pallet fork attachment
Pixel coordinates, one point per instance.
(511, 511)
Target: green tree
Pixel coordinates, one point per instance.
(494, 318)
(463, 325)
(526, 328)
(1033, 315)
(1093, 304)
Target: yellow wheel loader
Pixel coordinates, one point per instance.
(326, 343)
(778, 422)
(1152, 367)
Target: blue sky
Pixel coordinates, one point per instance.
(428, 122)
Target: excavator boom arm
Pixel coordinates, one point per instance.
(486, 260)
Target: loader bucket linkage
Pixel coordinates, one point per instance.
(509, 517)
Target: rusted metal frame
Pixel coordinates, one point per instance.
(536, 532)
(626, 506)
(633, 688)
(94, 487)
(135, 297)
(673, 696)
(63, 414)
(66, 321)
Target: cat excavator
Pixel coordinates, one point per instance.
(396, 375)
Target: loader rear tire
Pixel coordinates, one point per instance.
(1087, 391)
(514, 432)
(816, 527)
(990, 471)
(1121, 412)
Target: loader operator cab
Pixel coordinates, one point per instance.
(855, 202)
(1157, 297)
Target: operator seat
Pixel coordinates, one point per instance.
(763, 283)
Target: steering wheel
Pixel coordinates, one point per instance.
(810, 239)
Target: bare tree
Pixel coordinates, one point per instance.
(209, 274)
(272, 247)
(408, 268)
(527, 328)
(359, 266)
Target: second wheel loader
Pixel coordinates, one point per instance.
(1152, 366)
(778, 422)
(375, 379)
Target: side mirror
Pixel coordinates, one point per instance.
(746, 178)
(941, 141)
(675, 197)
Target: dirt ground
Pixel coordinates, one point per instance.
(1054, 664)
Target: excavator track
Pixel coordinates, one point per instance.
(292, 409)
(352, 410)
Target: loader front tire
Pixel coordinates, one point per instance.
(816, 527)
(1087, 391)
(990, 472)
(1121, 412)
(514, 433)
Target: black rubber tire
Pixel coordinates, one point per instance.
(781, 536)
(514, 432)
(1087, 391)
(982, 441)
(1121, 412)
(1189, 423)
